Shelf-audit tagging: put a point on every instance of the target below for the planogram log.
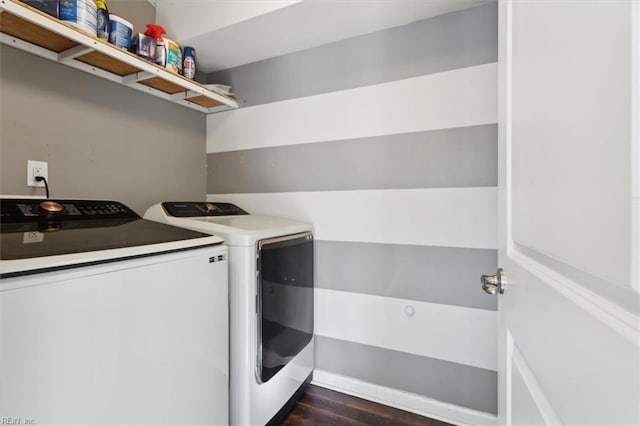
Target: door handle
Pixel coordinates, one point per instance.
(494, 283)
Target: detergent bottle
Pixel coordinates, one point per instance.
(102, 14)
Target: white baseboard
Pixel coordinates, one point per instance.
(403, 400)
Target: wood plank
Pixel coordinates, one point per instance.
(353, 413)
(305, 415)
(204, 101)
(107, 63)
(34, 34)
(163, 85)
(370, 407)
(292, 419)
(323, 406)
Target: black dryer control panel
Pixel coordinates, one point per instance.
(199, 209)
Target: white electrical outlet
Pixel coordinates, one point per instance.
(37, 168)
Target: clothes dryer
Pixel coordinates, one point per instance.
(271, 279)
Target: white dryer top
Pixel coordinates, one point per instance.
(237, 230)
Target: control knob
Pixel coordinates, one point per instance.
(51, 207)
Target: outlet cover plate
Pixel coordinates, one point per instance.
(37, 168)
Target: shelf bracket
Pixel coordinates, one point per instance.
(133, 79)
(178, 96)
(28, 47)
(73, 53)
(219, 108)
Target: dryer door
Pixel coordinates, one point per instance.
(285, 301)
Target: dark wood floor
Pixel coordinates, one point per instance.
(320, 406)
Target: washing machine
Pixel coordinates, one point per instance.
(271, 275)
(107, 318)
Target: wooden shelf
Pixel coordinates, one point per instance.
(31, 30)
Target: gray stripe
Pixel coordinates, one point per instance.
(455, 40)
(444, 275)
(460, 157)
(445, 381)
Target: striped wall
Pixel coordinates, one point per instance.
(386, 143)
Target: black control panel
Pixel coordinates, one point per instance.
(32, 228)
(198, 209)
(36, 210)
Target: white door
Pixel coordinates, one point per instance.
(568, 191)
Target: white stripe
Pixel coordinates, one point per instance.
(447, 217)
(458, 98)
(403, 400)
(451, 333)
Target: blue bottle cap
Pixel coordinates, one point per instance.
(189, 51)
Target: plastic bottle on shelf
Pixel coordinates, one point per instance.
(156, 31)
(102, 15)
(173, 57)
(120, 31)
(189, 62)
(79, 13)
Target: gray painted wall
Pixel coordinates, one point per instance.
(446, 158)
(138, 12)
(101, 140)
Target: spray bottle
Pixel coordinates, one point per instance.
(156, 31)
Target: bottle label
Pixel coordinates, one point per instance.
(189, 67)
(102, 24)
(172, 60)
